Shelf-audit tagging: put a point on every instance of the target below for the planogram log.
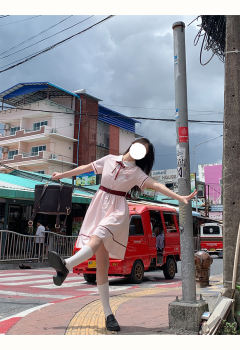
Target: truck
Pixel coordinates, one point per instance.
(141, 252)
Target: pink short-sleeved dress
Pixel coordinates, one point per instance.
(108, 215)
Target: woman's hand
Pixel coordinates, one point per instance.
(186, 199)
(56, 176)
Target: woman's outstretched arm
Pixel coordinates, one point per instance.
(77, 171)
(156, 186)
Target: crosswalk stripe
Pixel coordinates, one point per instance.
(20, 278)
(20, 294)
(12, 274)
(64, 285)
(95, 289)
(49, 279)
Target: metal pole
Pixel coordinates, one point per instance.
(183, 165)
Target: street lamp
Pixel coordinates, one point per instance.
(199, 144)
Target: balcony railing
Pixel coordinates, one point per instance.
(22, 133)
(47, 156)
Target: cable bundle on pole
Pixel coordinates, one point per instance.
(213, 31)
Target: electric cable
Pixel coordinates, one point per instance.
(21, 20)
(37, 42)
(117, 116)
(28, 58)
(34, 36)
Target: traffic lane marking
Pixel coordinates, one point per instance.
(12, 274)
(25, 277)
(49, 279)
(65, 285)
(50, 296)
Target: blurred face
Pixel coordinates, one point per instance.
(138, 150)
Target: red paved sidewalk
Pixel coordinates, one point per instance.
(139, 315)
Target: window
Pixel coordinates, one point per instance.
(14, 130)
(37, 149)
(37, 125)
(211, 230)
(11, 154)
(156, 222)
(40, 172)
(169, 221)
(136, 228)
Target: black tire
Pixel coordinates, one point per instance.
(169, 269)
(137, 272)
(90, 278)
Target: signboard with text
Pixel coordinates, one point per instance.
(86, 179)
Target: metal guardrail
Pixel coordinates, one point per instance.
(15, 246)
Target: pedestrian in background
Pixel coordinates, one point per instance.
(105, 228)
(40, 236)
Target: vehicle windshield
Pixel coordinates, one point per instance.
(211, 230)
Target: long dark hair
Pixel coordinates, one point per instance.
(145, 163)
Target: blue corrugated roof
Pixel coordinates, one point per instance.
(21, 89)
(109, 116)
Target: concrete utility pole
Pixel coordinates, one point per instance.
(231, 153)
(186, 313)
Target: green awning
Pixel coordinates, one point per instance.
(17, 187)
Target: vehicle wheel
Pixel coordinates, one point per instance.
(90, 278)
(137, 273)
(169, 269)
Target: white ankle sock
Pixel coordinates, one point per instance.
(103, 290)
(82, 255)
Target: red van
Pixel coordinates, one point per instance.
(146, 221)
(211, 238)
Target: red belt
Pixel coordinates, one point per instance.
(117, 193)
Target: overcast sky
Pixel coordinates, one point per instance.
(127, 62)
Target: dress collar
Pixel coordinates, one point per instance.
(126, 163)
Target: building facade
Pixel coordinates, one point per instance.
(211, 174)
(47, 128)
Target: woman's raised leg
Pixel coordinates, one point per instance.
(64, 266)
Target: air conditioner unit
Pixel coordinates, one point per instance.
(5, 150)
(7, 127)
(53, 156)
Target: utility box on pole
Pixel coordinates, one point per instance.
(185, 313)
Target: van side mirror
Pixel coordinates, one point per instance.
(132, 230)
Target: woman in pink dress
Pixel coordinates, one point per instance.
(105, 228)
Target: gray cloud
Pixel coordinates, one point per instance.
(128, 61)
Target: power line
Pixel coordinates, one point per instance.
(34, 36)
(160, 108)
(117, 116)
(54, 45)
(37, 42)
(21, 20)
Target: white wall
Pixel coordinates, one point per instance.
(125, 140)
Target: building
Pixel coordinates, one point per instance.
(47, 128)
(211, 174)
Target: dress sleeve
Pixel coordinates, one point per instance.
(99, 164)
(141, 178)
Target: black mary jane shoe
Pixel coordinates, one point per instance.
(59, 265)
(112, 323)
